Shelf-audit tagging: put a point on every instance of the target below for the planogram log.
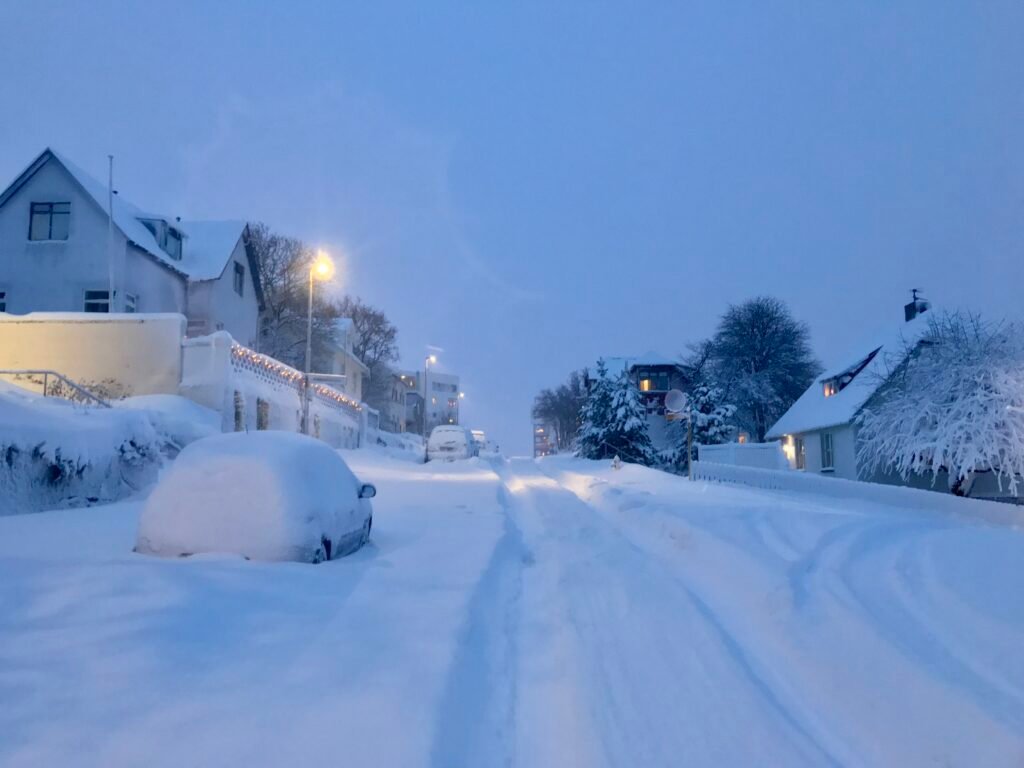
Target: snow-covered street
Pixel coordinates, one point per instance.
(524, 613)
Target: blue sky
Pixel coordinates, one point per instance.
(533, 185)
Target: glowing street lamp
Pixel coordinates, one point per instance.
(321, 269)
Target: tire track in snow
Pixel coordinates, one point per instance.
(669, 683)
(476, 721)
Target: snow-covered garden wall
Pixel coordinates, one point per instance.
(255, 392)
(113, 356)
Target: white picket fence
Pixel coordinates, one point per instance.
(894, 495)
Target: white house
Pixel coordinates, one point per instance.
(56, 255)
(818, 432)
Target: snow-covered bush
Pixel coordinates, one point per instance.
(954, 403)
(590, 440)
(54, 453)
(263, 495)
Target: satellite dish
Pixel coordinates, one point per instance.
(676, 401)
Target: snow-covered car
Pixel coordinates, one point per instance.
(262, 495)
(450, 442)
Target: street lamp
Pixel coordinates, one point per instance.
(430, 359)
(321, 269)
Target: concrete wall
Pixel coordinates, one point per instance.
(112, 355)
(213, 305)
(761, 455)
(45, 276)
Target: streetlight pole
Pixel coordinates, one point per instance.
(426, 372)
(321, 269)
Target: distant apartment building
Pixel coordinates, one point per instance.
(438, 402)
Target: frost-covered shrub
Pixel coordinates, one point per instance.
(952, 403)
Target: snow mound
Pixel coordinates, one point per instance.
(262, 495)
(177, 419)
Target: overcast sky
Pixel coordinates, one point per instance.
(534, 187)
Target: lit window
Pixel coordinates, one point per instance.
(831, 386)
(827, 455)
(646, 385)
(799, 452)
(49, 221)
(239, 279)
(97, 301)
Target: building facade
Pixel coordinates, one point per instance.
(59, 249)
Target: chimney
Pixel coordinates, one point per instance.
(916, 306)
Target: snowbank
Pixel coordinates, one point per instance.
(263, 495)
(54, 453)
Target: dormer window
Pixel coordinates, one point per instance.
(167, 237)
(837, 384)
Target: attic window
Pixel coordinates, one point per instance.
(838, 383)
(166, 236)
(49, 221)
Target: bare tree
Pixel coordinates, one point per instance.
(561, 407)
(760, 357)
(953, 402)
(283, 264)
(375, 343)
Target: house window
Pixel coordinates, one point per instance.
(49, 221)
(827, 455)
(130, 303)
(831, 386)
(3, 301)
(239, 279)
(97, 301)
(799, 453)
(173, 244)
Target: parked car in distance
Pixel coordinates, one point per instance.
(262, 495)
(449, 442)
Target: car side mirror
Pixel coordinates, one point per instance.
(367, 491)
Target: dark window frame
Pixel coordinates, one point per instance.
(830, 451)
(47, 209)
(96, 298)
(3, 300)
(239, 279)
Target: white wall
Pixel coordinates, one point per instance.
(113, 355)
(213, 305)
(53, 276)
(761, 455)
(844, 450)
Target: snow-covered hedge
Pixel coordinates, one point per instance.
(54, 453)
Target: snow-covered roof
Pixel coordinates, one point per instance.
(869, 364)
(617, 365)
(207, 246)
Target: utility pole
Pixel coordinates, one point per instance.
(110, 233)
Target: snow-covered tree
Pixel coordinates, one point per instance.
(590, 439)
(953, 401)
(626, 430)
(710, 425)
(761, 357)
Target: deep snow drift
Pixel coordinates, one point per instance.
(525, 613)
(55, 453)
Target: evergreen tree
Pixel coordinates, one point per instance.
(590, 439)
(626, 431)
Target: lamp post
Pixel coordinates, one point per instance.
(426, 372)
(321, 269)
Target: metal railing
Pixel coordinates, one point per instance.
(61, 387)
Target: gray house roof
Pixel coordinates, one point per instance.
(207, 246)
(868, 365)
